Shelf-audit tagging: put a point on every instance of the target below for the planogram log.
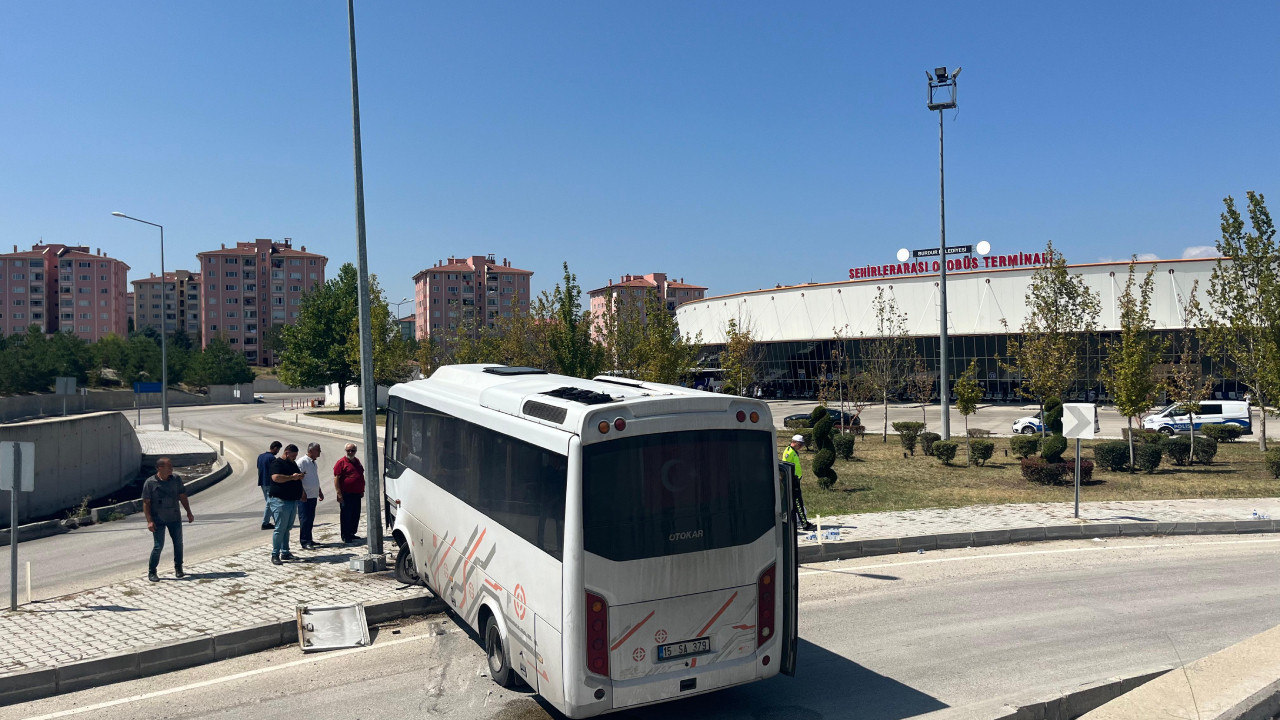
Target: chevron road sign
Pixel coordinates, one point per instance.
(1079, 420)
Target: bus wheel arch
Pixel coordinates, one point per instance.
(497, 648)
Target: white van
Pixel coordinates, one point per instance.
(1170, 420)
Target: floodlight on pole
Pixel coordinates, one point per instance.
(942, 96)
(164, 351)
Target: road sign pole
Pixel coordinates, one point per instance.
(1077, 478)
(14, 488)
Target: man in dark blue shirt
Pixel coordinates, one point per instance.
(264, 482)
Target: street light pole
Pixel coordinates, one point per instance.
(938, 81)
(368, 386)
(164, 313)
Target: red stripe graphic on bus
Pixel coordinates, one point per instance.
(632, 631)
(493, 584)
(444, 556)
(718, 613)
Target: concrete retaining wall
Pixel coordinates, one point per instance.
(94, 455)
(230, 394)
(272, 385)
(34, 406)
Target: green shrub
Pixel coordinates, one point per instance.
(908, 431)
(1112, 456)
(927, 439)
(1053, 447)
(1143, 436)
(1053, 416)
(844, 445)
(816, 415)
(1223, 432)
(945, 450)
(1024, 445)
(1148, 456)
(729, 389)
(822, 463)
(981, 450)
(1036, 470)
(1273, 462)
(1178, 449)
(1086, 471)
(822, 434)
(1206, 448)
(797, 424)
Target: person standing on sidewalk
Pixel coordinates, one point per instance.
(286, 491)
(791, 455)
(161, 495)
(264, 482)
(311, 495)
(348, 481)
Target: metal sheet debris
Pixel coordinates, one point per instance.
(332, 627)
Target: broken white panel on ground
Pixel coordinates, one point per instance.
(332, 627)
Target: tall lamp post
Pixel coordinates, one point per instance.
(942, 96)
(164, 350)
(368, 387)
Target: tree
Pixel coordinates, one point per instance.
(1048, 350)
(622, 333)
(885, 355)
(573, 350)
(1244, 324)
(665, 354)
(218, 364)
(390, 351)
(1131, 360)
(920, 384)
(739, 357)
(1186, 383)
(968, 394)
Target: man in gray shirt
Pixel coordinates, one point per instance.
(161, 495)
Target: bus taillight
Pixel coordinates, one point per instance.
(597, 635)
(766, 599)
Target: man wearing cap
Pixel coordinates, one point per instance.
(792, 456)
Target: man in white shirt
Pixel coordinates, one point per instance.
(311, 494)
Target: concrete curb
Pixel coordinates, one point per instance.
(185, 653)
(1071, 705)
(981, 538)
(357, 434)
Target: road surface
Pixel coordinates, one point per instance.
(949, 634)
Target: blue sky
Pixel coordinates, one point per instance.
(735, 144)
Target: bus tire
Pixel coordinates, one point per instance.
(496, 652)
(406, 571)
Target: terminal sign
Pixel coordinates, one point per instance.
(922, 267)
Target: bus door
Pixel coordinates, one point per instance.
(790, 575)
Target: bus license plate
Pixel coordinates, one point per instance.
(671, 651)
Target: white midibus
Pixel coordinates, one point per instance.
(613, 543)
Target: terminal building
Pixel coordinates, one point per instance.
(796, 328)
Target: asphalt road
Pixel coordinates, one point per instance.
(228, 515)
(951, 634)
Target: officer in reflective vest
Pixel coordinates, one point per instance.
(790, 455)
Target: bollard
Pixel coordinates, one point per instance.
(182, 425)
(28, 582)
(221, 449)
(200, 433)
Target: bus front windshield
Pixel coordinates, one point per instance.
(671, 493)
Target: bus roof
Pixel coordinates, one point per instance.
(558, 401)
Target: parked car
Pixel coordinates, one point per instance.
(1170, 420)
(1029, 425)
(841, 419)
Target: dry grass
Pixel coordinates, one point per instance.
(879, 478)
(350, 416)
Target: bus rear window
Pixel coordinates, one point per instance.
(672, 493)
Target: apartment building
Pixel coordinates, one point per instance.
(475, 289)
(632, 288)
(251, 287)
(175, 302)
(63, 288)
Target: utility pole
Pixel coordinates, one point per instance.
(940, 80)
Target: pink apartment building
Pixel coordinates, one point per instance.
(476, 289)
(176, 300)
(631, 288)
(63, 288)
(251, 287)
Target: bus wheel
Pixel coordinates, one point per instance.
(499, 663)
(406, 572)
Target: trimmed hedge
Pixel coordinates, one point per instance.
(797, 424)
(1024, 445)
(822, 463)
(1053, 415)
(1206, 449)
(816, 415)
(927, 439)
(1272, 458)
(1148, 456)
(1154, 437)
(1053, 447)
(1223, 432)
(1178, 448)
(908, 431)
(844, 445)
(981, 450)
(1114, 455)
(1038, 471)
(945, 450)
(1086, 470)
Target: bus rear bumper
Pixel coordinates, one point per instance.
(691, 681)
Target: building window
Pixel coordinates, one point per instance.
(295, 261)
(213, 301)
(233, 328)
(231, 273)
(85, 278)
(231, 261)
(295, 288)
(104, 291)
(84, 264)
(231, 288)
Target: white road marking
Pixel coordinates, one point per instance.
(228, 678)
(1035, 552)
